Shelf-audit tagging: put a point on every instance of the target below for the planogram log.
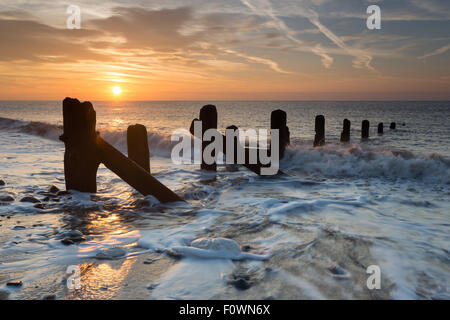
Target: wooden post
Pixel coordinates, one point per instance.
(365, 129)
(137, 143)
(345, 135)
(380, 128)
(278, 120)
(81, 159)
(392, 126)
(133, 174)
(319, 138)
(85, 150)
(208, 117)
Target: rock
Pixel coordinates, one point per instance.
(55, 199)
(4, 295)
(6, 199)
(18, 228)
(49, 297)
(30, 199)
(62, 193)
(39, 206)
(72, 235)
(2, 183)
(46, 199)
(14, 283)
(240, 284)
(152, 286)
(67, 242)
(53, 189)
(111, 253)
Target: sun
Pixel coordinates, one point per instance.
(116, 90)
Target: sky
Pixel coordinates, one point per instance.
(225, 50)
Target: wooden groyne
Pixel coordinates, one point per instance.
(86, 149)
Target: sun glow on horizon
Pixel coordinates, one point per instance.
(116, 90)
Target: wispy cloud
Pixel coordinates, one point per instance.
(436, 52)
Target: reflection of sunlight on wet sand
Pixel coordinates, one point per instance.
(102, 281)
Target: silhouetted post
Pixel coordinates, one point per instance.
(345, 135)
(208, 116)
(392, 126)
(133, 174)
(81, 159)
(365, 129)
(380, 128)
(278, 120)
(85, 149)
(137, 143)
(319, 138)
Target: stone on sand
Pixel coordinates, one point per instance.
(6, 199)
(30, 199)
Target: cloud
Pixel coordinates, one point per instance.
(436, 52)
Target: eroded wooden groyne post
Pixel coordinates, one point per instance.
(380, 128)
(81, 159)
(319, 138)
(85, 150)
(208, 117)
(365, 129)
(345, 135)
(137, 144)
(393, 126)
(278, 120)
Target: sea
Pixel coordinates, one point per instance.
(368, 219)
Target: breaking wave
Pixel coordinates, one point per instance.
(332, 160)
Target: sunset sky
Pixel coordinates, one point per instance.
(224, 50)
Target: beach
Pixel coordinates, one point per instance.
(309, 234)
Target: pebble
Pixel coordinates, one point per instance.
(111, 253)
(67, 242)
(152, 286)
(18, 228)
(46, 199)
(7, 199)
(53, 189)
(14, 283)
(240, 284)
(2, 183)
(39, 206)
(30, 199)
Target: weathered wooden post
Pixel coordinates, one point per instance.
(81, 159)
(137, 143)
(85, 150)
(208, 117)
(319, 138)
(365, 129)
(345, 135)
(392, 126)
(278, 120)
(380, 128)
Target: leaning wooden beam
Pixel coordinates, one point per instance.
(81, 159)
(132, 173)
(137, 144)
(85, 150)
